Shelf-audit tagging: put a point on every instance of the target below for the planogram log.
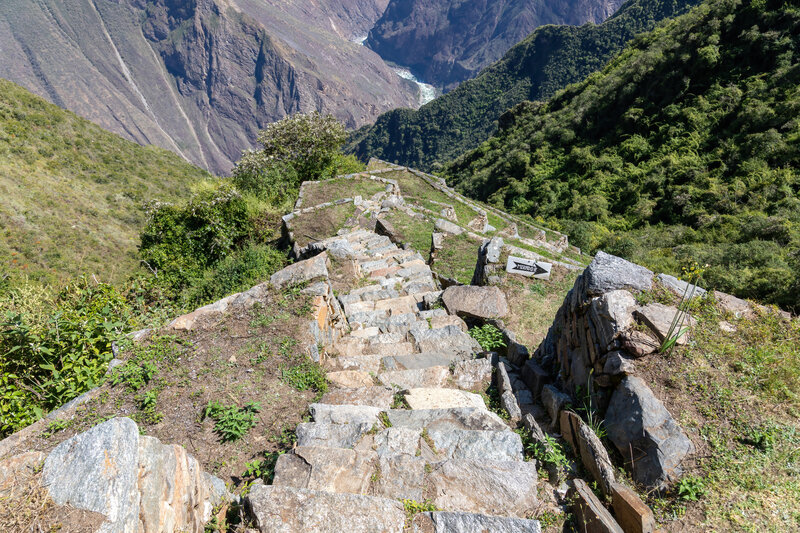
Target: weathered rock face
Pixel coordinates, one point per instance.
(636, 420)
(592, 345)
(475, 302)
(449, 42)
(200, 77)
(136, 482)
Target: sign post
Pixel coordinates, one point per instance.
(528, 267)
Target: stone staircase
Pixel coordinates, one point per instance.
(401, 429)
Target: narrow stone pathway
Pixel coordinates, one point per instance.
(400, 422)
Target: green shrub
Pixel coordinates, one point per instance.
(232, 422)
(306, 375)
(50, 356)
(239, 271)
(488, 336)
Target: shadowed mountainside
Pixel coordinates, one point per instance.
(200, 77)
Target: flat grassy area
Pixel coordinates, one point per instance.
(415, 190)
(534, 303)
(457, 258)
(319, 192)
(416, 231)
(71, 193)
(231, 394)
(737, 394)
(321, 223)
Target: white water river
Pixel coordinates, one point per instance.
(427, 92)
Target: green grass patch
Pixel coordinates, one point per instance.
(416, 231)
(457, 258)
(315, 193)
(321, 223)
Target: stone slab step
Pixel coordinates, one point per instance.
(285, 509)
(473, 374)
(330, 435)
(400, 477)
(434, 376)
(344, 414)
(350, 379)
(453, 522)
(478, 445)
(374, 396)
(326, 469)
(419, 360)
(444, 419)
(424, 398)
(364, 363)
(350, 349)
(463, 485)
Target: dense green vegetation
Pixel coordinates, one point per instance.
(71, 193)
(55, 343)
(548, 60)
(684, 148)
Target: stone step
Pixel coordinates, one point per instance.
(446, 419)
(418, 360)
(434, 398)
(330, 435)
(286, 509)
(368, 318)
(452, 522)
(382, 397)
(463, 485)
(472, 374)
(504, 445)
(344, 414)
(434, 376)
(361, 347)
(350, 379)
(326, 469)
(364, 363)
(449, 339)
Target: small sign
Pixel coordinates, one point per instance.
(528, 267)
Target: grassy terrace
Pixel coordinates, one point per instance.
(457, 259)
(319, 192)
(321, 223)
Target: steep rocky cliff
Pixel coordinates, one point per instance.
(448, 42)
(199, 77)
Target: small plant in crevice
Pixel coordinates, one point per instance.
(399, 401)
(263, 469)
(549, 452)
(412, 507)
(690, 488)
(488, 336)
(677, 328)
(306, 375)
(232, 422)
(589, 410)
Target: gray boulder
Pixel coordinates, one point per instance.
(98, 471)
(637, 420)
(609, 273)
(680, 287)
(611, 314)
(445, 226)
(300, 272)
(475, 302)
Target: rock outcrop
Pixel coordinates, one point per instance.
(598, 332)
(136, 482)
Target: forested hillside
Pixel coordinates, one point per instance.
(71, 193)
(684, 148)
(548, 60)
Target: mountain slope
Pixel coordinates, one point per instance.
(448, 42)
(548, 60)
(684, 148)
(71, 193)
(198, 77)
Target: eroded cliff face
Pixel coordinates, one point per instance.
(446, 42)
(199, 77)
